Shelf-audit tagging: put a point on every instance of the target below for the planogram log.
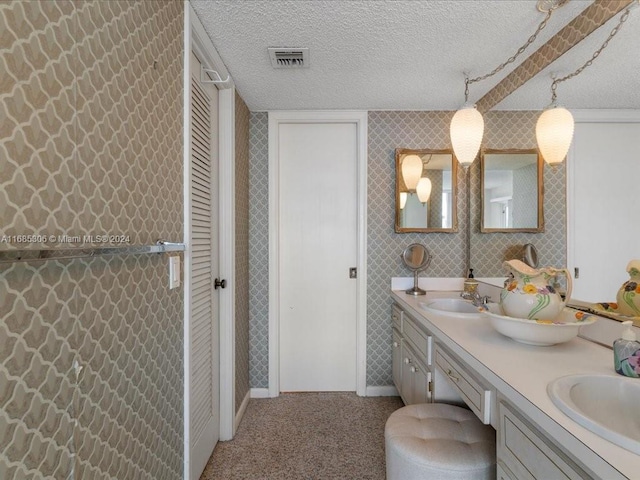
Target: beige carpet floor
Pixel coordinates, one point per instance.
(304, 436)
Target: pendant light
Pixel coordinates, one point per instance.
(467, 124)
(466, 130)
(554, 132)
(554, 128)
(411, 171)
(423, 189)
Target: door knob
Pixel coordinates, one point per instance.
(219, 283)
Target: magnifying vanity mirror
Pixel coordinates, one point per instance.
(512, 191)
(426, 191)
(416, 258)
(530, 255)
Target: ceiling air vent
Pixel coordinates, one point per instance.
(289, 57)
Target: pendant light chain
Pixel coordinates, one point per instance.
(595, 55)
(513, 58)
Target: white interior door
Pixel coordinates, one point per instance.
(318, 246)
(202, 258)
(604, 229)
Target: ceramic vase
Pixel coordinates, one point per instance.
(530, 293)
(628, 296)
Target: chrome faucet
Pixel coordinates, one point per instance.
(477, 299)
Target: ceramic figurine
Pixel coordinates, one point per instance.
(629, 294)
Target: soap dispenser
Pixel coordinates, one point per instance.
(470, 284)
(626, 352)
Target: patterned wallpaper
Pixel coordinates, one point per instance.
(389, 130)
(435, 200)
(259, 250)
(525, 196)
(242, 250)
(504, 129)
(91, 144)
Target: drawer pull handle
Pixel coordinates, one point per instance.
(414, 369)
(395, 344)
(407, 361)
(452, 376)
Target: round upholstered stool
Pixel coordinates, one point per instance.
(436, 441)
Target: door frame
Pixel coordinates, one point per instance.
(196, 38)
(359, 118)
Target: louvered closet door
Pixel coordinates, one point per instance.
(204, 355)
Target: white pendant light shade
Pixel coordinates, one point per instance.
(424, 189)
(403, 199)
(467, 128)
(554, 132)
(411, 171)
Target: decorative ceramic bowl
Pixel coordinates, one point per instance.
(539, 332)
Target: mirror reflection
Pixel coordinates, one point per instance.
(511, 191)
(425, 191)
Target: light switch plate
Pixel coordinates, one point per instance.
(174, 272)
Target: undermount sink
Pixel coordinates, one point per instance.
(605, 404)
(454, 306)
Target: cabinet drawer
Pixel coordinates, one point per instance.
(525, 452)
(420, 340)
(396, 317)
(475, 396)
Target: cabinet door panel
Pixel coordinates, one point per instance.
(526, 452)
(396, 356)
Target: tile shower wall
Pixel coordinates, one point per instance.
(389, 130)
(242, 250)
(91, 144)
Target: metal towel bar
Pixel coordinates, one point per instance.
(45, 254)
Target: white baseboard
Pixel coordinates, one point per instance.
(386, 391)
(259, 393)
(241, 410)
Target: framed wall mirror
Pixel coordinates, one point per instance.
(512, 191)
(426, 191)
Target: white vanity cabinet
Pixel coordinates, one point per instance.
(416, 377)
(411, 358)
(462, 357)
(413, 363)
(526, 453)
(461, 386)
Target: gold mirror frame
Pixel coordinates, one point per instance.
(540, 189)
(400, 153)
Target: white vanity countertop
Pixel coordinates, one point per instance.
(521, 373)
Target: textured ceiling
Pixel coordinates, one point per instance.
(411, 55)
